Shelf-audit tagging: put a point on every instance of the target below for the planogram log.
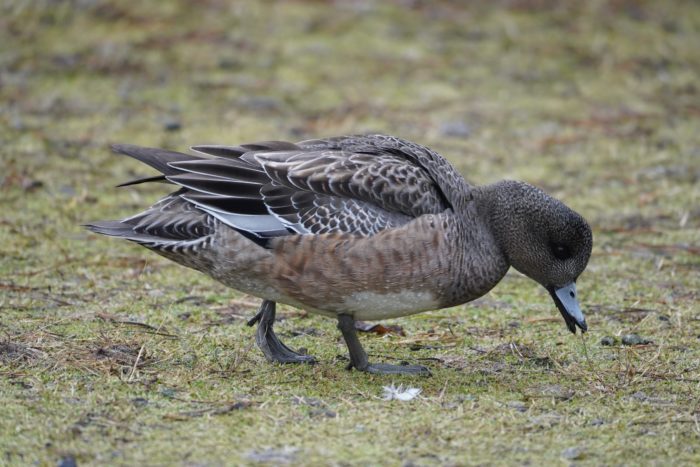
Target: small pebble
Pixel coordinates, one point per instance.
(634, 339)
(67, 461)
(172, 125)
(31, 185)
(139, 401)
(572, 453)
(607, 340)
(456, 129)
(517, 405)
(168, 392)
(663, 318)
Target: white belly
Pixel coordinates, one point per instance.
(376, 306)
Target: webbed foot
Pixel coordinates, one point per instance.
(358, 356)
(274, 349)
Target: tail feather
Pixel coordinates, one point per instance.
(122, 230)
(111, 228)
(138, 181)
(156, 158)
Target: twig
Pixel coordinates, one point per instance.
(138, 358)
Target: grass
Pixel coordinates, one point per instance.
(111, 355)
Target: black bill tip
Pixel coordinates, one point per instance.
(566, 300)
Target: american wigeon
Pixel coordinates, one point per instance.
(353, 227)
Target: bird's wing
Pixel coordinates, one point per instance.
(305, 191)
(270, 189)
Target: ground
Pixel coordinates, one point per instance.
(111, 355)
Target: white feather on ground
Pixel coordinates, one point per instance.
(400, 393)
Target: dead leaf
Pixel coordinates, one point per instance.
(380, 329)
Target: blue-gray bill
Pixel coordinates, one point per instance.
(567, 302)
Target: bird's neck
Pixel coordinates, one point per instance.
(479, 261)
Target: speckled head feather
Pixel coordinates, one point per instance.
(540, 236)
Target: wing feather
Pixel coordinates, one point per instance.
(359, 185)
(386, 181)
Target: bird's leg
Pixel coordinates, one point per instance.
(358, 356)
(271, 346)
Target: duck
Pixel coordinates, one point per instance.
(359, 227)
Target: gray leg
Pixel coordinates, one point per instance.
(358, 356)
(271, 346)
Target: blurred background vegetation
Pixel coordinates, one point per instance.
(111, 355)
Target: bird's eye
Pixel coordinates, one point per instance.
(561, 251)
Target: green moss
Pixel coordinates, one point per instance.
(595, 103)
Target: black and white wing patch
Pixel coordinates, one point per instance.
(230, 191)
